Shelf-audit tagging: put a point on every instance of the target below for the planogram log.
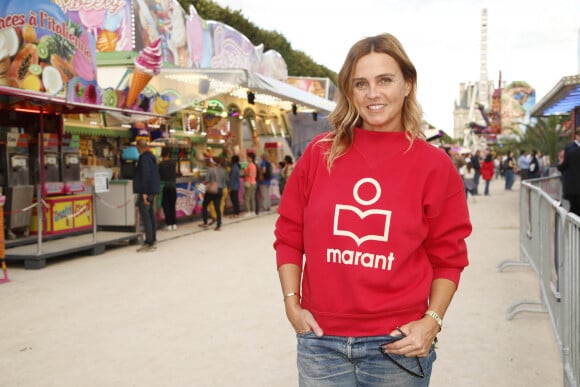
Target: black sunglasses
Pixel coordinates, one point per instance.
(420, 374)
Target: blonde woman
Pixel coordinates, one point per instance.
(370, 238)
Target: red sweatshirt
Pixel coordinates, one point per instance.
(374, 233)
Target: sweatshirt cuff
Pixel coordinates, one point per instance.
(288, 254)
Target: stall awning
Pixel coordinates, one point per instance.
(191, 86)
(92, 131)
(562, 99)
(25, 100)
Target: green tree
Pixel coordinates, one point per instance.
(546, 134)
(299, 63)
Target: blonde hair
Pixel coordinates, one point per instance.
(345, 118)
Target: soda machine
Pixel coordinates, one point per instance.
(53, 184)
(15, 181)
(70, 164)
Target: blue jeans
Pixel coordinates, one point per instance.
(509, 178)
(486, 191)
(147, 214)
(476, 176)
(356, 361)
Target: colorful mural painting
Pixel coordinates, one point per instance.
(43, 49)
(191, 42)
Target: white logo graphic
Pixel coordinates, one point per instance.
(344, 210)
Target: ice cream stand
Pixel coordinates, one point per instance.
(48, 71)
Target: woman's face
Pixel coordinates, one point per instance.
(379, 91)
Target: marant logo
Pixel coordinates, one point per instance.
(347, 220)
(343, 211)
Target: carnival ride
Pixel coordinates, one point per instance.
(478, 135)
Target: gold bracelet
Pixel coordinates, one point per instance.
(291, 294)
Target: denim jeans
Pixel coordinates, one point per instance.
(147, 214)
(486, 191)
(356, 361)
(509, 178)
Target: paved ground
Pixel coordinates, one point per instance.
(206, 310)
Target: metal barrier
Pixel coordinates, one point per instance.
(550, 244)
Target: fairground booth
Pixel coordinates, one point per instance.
(80, 82)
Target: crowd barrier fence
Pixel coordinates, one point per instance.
(550, 244)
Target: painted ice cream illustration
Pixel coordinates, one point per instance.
(147, 64)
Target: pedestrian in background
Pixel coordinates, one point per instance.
(146, 184)
(570, 167)
(467, 172)
(250, 173)
(366, 295)
(223, 181)
(476, 171)
(534, 166)
(487, 171)
(523, 164)
(168, 175)
(265, 178)
(211, 196)
(286, 171)
(508, 167)
(234, 185)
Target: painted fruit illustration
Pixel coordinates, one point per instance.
(65, 69)
(28, 34)
(31, 82)
(20, 68)
(9, 43)
(110, 98)
(52, 79)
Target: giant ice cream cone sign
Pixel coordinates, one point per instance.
(147, 64)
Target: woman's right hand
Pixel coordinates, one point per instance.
(301, 319)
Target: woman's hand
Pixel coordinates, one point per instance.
(419, 336)
(301, 319)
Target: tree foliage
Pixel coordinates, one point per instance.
(299, 63)
(546, 135)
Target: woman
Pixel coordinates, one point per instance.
(383, 243)
(286, 171)
(212, 177)
(487, 171)
(508, 168)
(250, 174)
(467, 172)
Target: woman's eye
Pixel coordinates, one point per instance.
(385, 81)
(360, 84)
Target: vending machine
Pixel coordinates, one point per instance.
(70, 164)
(53, 184)
(15, 182)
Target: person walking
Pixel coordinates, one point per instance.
(146, 184)
(523, 164)
(265, 178)
(250, 173)
(368, 259)
(534, 166)
(234, 185)
(467, 172)
(487, 171)
(286, 171)
(508, 167)
(168, 176)
(223, 178)
(212, 195)
(476, 171)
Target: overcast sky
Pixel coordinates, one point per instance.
(531, 40)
